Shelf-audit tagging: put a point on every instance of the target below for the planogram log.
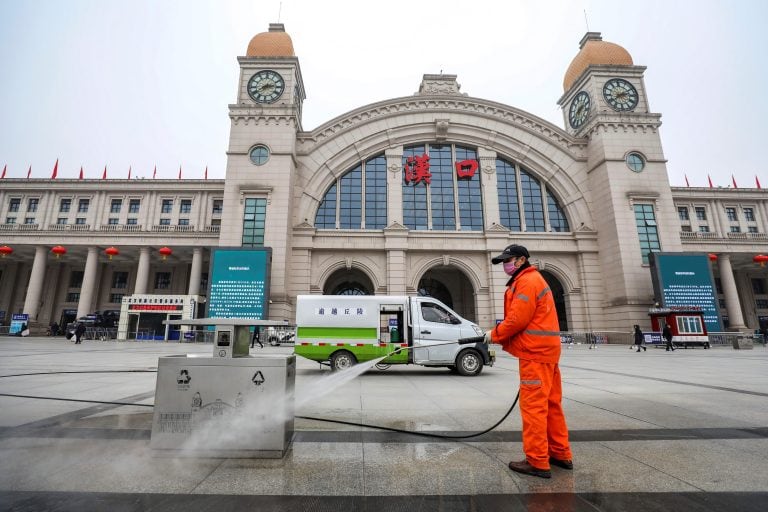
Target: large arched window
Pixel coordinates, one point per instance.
(363, 189)
(522, 198)
(441, 188)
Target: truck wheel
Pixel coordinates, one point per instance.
(469, 363)
(342, 360)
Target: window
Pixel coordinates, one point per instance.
(532, 204)
(218, 206)
(13, 205)
(722, 303)
(82, 205)
(215, 222)
(735, 229)
(326, 213)
(76, 279)
(749, 214)
(351, 201)
(557, 219)
(254, 220)
(167, 206)
(113, 221)
(761, 303)
(703, 229)
(162, 280)
(116, 297)
(80, 221)
(10, 220)
(433, 313)
(686, 228)
(115, 206)
(165, 222)
(682, 212)
(120, 280)
(701, 213)
(758, 286)
(731, 214)
(689, 325)
(29, 220)
(134, 205)
(752, 229)
(132, 221)
(73, 296)
(259, 154)
(647, 231)
(635, 162)
(183, 222)
(65, 205)
(61, 220)
(718, 285)
(32, 204)
(376, 193)
(186, 206)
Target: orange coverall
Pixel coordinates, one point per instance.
(530, 332)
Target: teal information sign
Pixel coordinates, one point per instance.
(685, 280)
(239, 283)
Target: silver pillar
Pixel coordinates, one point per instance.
(89, 282)
(732, 305)
(142, 273)
(195, 271)
(36, 279)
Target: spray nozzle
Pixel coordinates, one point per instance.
(474, 339)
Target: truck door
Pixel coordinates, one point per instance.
(433, 325)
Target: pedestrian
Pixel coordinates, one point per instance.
(639, 338)
(592, 340)
(54, 329)
(257, 337)
(79, 331)
(666, 333)
(530, 331)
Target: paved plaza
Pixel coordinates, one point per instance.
(656, 430)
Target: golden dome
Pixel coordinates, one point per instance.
(595, 51)
(275, 43)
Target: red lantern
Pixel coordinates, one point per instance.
(712, 257)
(5, 251)
(761, 259)
(111, 251)
(165, 252)
(59, 250)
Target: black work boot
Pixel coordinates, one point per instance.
(526, 469)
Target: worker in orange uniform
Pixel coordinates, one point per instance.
(530, 331)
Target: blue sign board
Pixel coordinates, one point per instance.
(239, 283)
(18, 320)
(685, 280)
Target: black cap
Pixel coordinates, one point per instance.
(512, 251)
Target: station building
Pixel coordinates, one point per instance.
(404, 196)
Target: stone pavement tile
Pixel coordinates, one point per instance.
(710, 465)
(18, 411)
(307, 468)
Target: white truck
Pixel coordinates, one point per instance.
(342, 330)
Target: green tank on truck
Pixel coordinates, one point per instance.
(343, 330)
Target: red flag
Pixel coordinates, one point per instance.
(129, 172)
(29, 172)
(686, 181)
(757, 181)
(734, 182)
(179, 172)
(154, 173)
(55, 169)
(710, 181)
(206, 172)
(81, 172)
(104, 176)
(6, 167)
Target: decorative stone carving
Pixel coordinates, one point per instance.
(439, 85)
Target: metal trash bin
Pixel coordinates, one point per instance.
(743, 342)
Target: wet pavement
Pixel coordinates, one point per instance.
(652, 431)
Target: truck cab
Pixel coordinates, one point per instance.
(343, 330)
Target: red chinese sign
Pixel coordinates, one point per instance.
(466, 168)
(416, 169)
(155, 307)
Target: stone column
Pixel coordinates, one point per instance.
(142, 273)
(89, 282)
(732, 305)
(195, 271)
(36, 280)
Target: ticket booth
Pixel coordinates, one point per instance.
(143, 317)
(687, 325)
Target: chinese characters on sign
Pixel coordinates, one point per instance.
(239, 285)
(332, 311)
(416, 169)
(236, 298)
(698, 296)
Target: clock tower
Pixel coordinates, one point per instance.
(605, 102)
(261, 163)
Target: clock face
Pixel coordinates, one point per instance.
(579, 110)
(620, 94)
(266, 86)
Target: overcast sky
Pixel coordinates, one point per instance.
(142, 83)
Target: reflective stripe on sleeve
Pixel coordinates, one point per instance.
(530, 382)
(543, 293)
(523, 297)
(542, 333)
